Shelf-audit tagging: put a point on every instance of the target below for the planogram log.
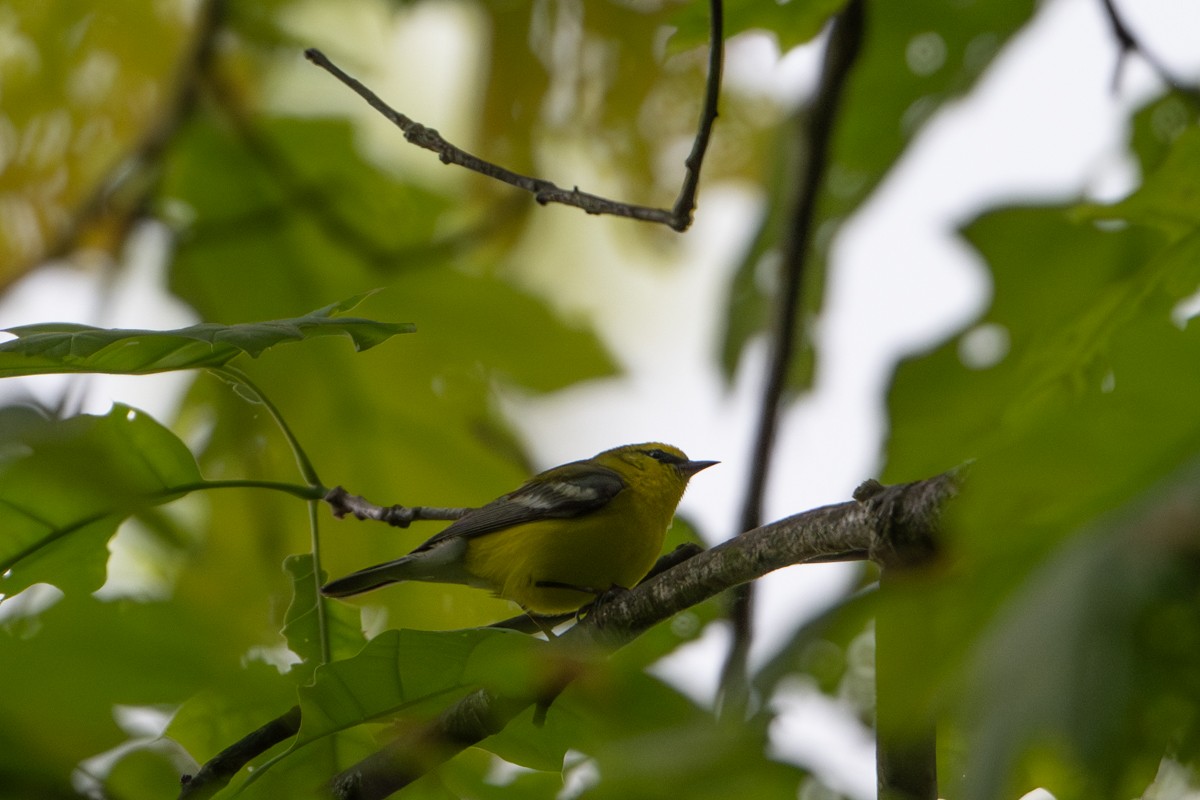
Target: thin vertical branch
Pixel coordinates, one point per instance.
(845, 39)
(686, 203)
(905, 731)
(905, 748)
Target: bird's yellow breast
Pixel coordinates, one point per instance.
(613, 546)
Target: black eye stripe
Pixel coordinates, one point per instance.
(664, 456)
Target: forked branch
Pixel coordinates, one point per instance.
(678, 218)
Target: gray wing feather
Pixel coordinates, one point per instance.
(569, 495)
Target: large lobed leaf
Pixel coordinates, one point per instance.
(1076, 393)
(53, 347)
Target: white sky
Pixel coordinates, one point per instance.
(1043, 123)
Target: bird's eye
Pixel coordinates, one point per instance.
(663, 456)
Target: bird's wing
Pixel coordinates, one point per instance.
(567, 491)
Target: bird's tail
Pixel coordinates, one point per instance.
(441, 562)
(370, 578)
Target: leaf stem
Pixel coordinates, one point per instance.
(311, 493)
(238, 378)
(309, 473)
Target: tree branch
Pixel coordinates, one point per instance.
(845, 40)
(218, 770)
(863, 528)
(678, 218)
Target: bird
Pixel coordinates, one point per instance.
(559, 541)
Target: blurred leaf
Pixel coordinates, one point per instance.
(68, 668)
(821, 647)
(1088, 677)
(474, 774)
(1158, 125)
(1075, 394)
(65, 485)
(608, 91)
(66, 347)
(792, 22)
(753, 293)
(222, 713)
(1063, 293)
(650, 741)
(82, 90)
(1168, 197)
(142, 772)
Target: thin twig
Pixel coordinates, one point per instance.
(220, 769)
(1129, 43)
(343, 503)
(678, 218)
(686, 204)
(845, 40)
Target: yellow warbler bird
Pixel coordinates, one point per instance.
(563, 538)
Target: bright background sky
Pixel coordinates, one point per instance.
(1044, 123)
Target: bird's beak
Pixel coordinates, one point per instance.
(690, 468)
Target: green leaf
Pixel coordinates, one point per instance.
(65, 485)
(648, 740)
(1112, 684)
(305, 627)
(68, 667)
(401, 669)
(67, 347)
(1169, 198)
(1064, 292)
(400, 672)
(1076, 394)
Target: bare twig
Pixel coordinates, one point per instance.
(686, 204)
(343, 503)
(848, 531)
(678, 218)
(1129, 43)
(845, 39)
